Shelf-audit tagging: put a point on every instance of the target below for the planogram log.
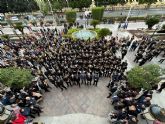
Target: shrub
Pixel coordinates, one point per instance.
(144, 77)
(104, 32)
(94, 23)
(3, 23)
(5, 37)
(97, 13)
(97, 30)
(19, 26)
(163, 27)
(151, 22)
(70, 16)
(72, 30)
(15, 77)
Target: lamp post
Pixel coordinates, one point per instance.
(54, 19)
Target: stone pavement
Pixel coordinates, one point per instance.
(90, 100)
(87, 99)
(74, 119)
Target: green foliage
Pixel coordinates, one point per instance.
(122, 18)
(144, 77)
(163, 27)
(94, 23)
(79, 3)
(70, 16)
(3, 23)
(72, 30)
(57, 5)
(151, 22)
(15, 77)
(5, 37)
(17, 6)
(97, 13)
(149, 2)
(97, 30)
(104, 32)
(19, 26)
(43, 6)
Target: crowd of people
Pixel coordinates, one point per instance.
(129, 102)
(65, 62)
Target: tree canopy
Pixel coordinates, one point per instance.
(144, 77)
(70, 16)
(17, 6)
(152, 21)
(15, 77)
(33, 5)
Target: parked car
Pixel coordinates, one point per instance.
(30, 17)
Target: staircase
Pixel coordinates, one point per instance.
(73, 119)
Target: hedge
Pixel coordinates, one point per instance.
(70, 16)
(105, 19)
(97, 13)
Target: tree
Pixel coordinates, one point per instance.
(144, 77)
(149, 2)
(43, 6)
(57, 5)
(79, 3)
(19, 26)
(97, 13)
(3, 6)
(15, 77)
(104, 32)
(151, 22)
(17, 6)
(163, 27)
(94, 23)
(70, 16)
(5, 37)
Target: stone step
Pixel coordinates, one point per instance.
(73, 119)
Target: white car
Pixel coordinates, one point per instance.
(14, 18)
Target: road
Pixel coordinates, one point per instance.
(125, 13)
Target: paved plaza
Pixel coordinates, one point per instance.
(88, 104)
(87, 99)
(90, 101)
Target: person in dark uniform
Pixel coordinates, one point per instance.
(77, 77)
(89, 78)
(60, 83)
(96, 78)
(67, 80)
(123, 53)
